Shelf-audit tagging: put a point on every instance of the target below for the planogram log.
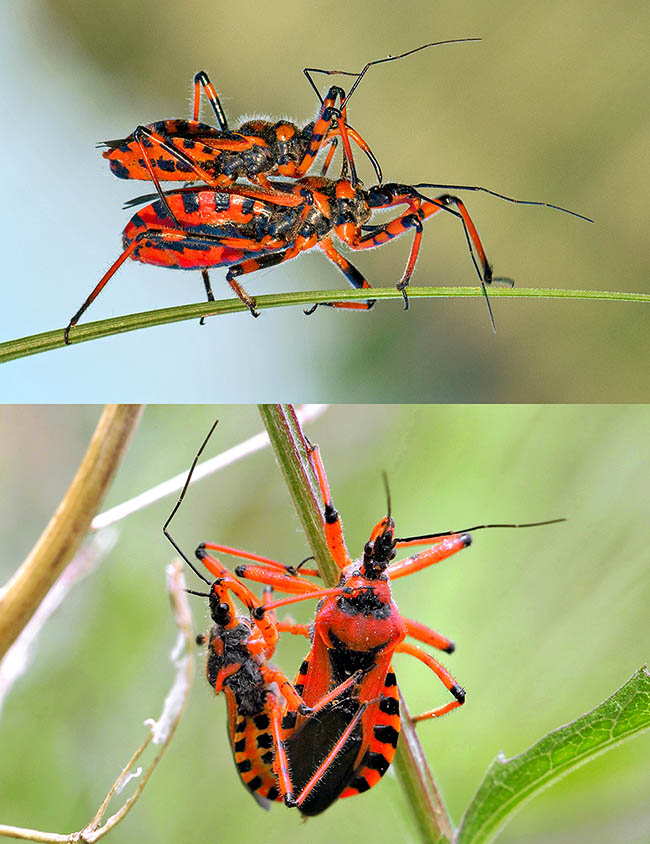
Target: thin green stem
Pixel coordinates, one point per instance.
(37, 343)
(287, 439)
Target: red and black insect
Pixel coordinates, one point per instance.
(257, 693)
(357, 627)
(248, 228)
(188, 151)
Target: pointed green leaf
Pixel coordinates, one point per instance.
(509, 783)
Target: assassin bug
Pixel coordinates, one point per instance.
(190, 151)
(357, 627)
(187, 150)
(248, 228)
(257, 693)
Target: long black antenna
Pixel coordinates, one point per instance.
(309, 70)
(476, 527)
(507, 198)
(387, 488)
(178, 504)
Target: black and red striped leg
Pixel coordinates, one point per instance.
(323, 133)
(263, 262)
(419, 209)
(333, 526)
(202, 83)
(356, 279)
(444, 676)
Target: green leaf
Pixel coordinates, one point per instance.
(509, 783)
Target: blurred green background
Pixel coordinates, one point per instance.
(547, 622)
(552, 105)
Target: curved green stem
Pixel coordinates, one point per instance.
(37, 343)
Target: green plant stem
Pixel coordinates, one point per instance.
(37, 343)
(427, 809)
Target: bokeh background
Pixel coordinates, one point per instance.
(548, 622)
(552, 105)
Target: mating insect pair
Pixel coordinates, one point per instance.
(333, 733)
(249, 228)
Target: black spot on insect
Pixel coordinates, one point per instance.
(389, 706)
(244, 765)
(386, 734)
(391, 679)
(360, 783)
(265, 740)
(267, 757)
(166, 166)
(289, 720)
(262, 722)
(255, 783)
(239, 746)
(377, 762)
(118, 169)
(221, 201)
(190, 202)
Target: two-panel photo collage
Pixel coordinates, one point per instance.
(342, 533)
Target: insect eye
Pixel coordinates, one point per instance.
(368, 548)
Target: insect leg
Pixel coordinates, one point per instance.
(201, 81)
(440, 551)
(441, 672)
(350, 272)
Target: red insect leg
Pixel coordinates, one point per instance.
(323, 133)
(424, 634)
(419, 208)
(333, 527)
(441, 672)
(202, 83)
(440, 551)
(263, 262)
(247, 555)
(352, 274)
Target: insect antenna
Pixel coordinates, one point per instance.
(507, 198)
(427, 536)
(167, 534)
(200, 594)
(309, 70)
